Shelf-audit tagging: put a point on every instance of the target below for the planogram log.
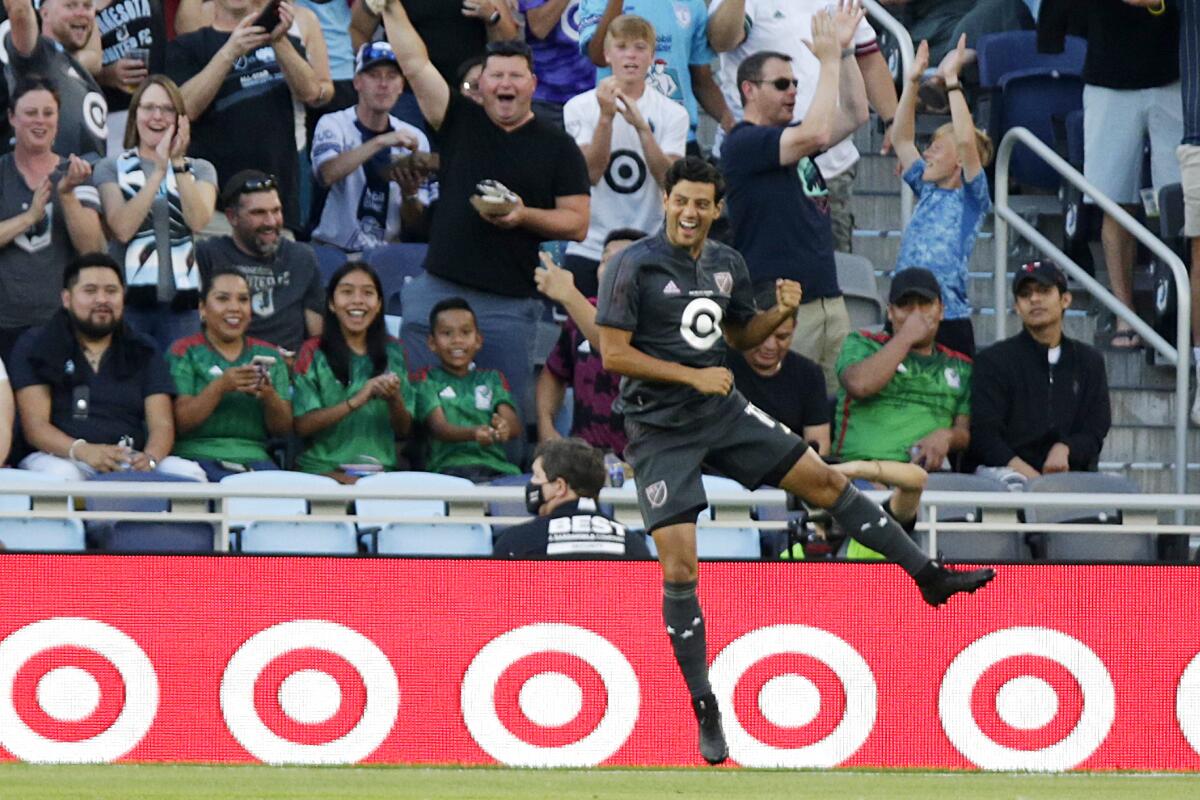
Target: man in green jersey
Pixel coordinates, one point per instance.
(467, 410)
(903, 397)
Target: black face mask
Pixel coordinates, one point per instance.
(533, 497)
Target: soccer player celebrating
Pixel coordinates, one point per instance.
(670, 307)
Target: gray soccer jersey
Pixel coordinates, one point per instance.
(674, 306)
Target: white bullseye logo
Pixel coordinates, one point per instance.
(71, 694)
(310, 696)
(700, 325)
(793, 701)
(1187, 703)
(1026, 702)
(550, 698)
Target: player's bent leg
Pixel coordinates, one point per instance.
(818, 484)
(676, 545)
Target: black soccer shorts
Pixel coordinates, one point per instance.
(739, 439)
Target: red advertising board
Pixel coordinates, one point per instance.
(323, 660)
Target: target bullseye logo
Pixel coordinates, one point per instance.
(309, 692)
(1026, 699)
(74, 690)
(788, 684)
(1187, 703)
(550, 695)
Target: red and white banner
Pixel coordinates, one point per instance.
(324, 661)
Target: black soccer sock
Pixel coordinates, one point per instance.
(862, 519)
(908, 527)
(685, 626)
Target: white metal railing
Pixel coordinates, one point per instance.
(907, 55)
(192, 502)
(1005, 216)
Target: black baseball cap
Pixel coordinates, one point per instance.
(915, 280)
(1046, 273)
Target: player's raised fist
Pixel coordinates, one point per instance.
(788, 294)
(713, 380)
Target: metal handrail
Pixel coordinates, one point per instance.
(1005, 216)
(907, 55)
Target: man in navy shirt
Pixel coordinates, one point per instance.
(670, 307)
(94, 395)
(778, 204)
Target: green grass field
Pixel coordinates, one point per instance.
(134, 782)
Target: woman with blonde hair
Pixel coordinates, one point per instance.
(155, 199)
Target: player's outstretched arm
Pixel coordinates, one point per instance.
(621, 357)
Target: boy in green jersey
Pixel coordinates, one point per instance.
(468, 411)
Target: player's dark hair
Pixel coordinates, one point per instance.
(31, 83)
(751, 68)
(333, 341)
(696, 170)
(207, 281)
(86, 260)
(624, 235)
(576, 462)
(449, 304)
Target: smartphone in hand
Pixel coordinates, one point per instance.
(268, 18)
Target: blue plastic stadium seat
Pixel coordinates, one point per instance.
(435, 540)
(157, 537)
(1030, 99)
(1002, 53)
(323, 538)
(397, 264)
(243, 510)
(42, 534)
(329, 260)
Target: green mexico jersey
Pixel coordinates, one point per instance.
(926, 393)
(365, 434)
(466, 401)
(236, 430)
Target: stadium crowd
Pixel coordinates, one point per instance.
(168, 163)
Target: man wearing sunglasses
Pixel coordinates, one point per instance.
(488, 256)
(778, 202)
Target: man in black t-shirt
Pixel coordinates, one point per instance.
(567, 477)
(83, 113)
(786, 385)
(489, 258)
(778, 203)
(670, 307)
(238, 82)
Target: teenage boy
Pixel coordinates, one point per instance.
(629, 137)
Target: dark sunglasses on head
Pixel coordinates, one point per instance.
(257, 185)
(782, 84)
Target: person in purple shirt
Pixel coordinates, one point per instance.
(575, 360)
(552, 31)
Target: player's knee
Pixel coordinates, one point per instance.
(677, 568)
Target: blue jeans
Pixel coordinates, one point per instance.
(162, 324)
(508, 324)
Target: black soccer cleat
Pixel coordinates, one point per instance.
(712, 736)
(940, 584)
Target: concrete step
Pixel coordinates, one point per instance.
(883, 247)
(1152, 443)
(1131, 369)
(876, 173)
(876, 210)
(1136, 405)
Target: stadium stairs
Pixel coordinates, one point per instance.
(1141, 442)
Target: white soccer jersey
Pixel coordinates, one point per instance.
(627, 196)
(782, 26)
(359, 214)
